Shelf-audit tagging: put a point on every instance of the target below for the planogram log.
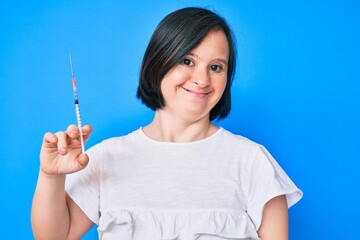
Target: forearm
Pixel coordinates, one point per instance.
(50, 214)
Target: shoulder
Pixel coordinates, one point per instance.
(239, 150)
(238, 141)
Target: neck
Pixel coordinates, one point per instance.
(167, 128)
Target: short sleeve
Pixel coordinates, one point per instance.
(268, 180)
(84, 186)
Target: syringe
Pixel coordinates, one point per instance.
(77, 107)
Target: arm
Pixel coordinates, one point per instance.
(54, 215)
(274, 224)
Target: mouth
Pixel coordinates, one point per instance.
(196, 93)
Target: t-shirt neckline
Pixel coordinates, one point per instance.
(209, 138)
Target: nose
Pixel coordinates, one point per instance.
(201, 77)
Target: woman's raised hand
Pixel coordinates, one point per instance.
(61, 152)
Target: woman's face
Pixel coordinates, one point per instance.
(194, 86)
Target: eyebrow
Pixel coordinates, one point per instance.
(216, 59)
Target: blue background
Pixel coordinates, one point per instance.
(296, 91)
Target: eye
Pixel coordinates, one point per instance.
(216, 68)
(187, 62)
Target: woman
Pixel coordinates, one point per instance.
(179, 177)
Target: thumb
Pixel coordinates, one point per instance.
(82, 160)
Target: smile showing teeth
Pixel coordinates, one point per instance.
(197, 94)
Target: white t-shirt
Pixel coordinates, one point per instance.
(212, 189)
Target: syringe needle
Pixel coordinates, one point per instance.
(71, 65)
(77, 107)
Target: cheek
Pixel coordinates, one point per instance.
(221, 85)
(166, 85)
(173, 79)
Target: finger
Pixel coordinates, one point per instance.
(72, 131)
(49, 138)
(82, 160)
(87, 130)
(62, 142)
